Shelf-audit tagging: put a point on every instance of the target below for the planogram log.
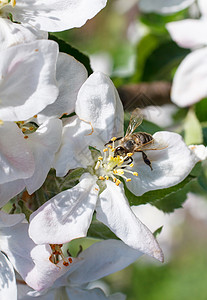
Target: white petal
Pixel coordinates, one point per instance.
(200, 151)
(170, 165)
(203, 7)
(7, 220)
(188, 33)
(114, 211)
(75, 293)
(66, 216)
(56, 15)
(189, 83)
(31, 261)
(102, 259)
(44, 143)
(10, 189)
(74, 151)
(24, 93)
(70, 75)
(98, 103)
(12, 34)
(16, 158)
(8, 288)
(164, 6)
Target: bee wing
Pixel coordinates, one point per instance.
(152, 145)
(135, 120)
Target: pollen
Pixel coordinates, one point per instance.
(128, 179)
(100, 158)
(129, 154)
(135, 173)
(118, 182)
(131, 165)
(101, 178)
(113, 139)
(26, 137)
(105, 150)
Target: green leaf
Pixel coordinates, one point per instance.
(98, 230)
(153, 196)
(25, 209)
(66, 48)
(193, 129)
(201, 110)
(158, 231)
(163, 61)
(204, 130)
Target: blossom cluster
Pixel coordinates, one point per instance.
(53, 116)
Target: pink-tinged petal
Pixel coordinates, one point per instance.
(170, 165)
(8, 288)
(56, 15)
(31, 261)
(66, 216)
(98, 102)
(164, 6)
(24, 93)
(114, 211)
(16, 158)
(189, 83)
(188, 33)
(102, 259)
(74, 151)
(70, 76)
(44, 143)
(10, 189)
(12, 34)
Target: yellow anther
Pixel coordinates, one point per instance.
(135, 173)
(24, 129)
(1, 122)
(112, 149)
(129, 154)
(115, 171)
(35, 116)
(113, 139)
(114, 179)
(131, 165)
(100, 158)
(118, 182)
(128, 179)
(107, 177)
(21, 122)
(101, 178)
(105, 150)
(31, 128)
(109, 146)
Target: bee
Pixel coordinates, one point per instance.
(136, 141)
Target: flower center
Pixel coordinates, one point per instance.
(56, 253)
(6, 2)
(27, 127)
(109, 166)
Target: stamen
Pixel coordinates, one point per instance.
(128, 179)
(101, 178)
(97, 165)
(113, 139)
(100, 158)
(105, 150)
(129, 154)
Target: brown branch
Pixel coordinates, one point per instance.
(144, 94)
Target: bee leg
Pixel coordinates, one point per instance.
(129, 162)
(110, 142)
(146, 160)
